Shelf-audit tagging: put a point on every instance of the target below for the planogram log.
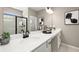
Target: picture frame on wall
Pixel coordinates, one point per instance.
(72, 17)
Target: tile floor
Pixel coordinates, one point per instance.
(68, 48)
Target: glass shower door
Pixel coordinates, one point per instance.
(14, 24)
(9, 24)
(21, 24)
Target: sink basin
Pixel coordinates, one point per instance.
(46, 32)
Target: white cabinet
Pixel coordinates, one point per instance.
(46, 47)
(51, 45)
(56, 41)
(54, 44)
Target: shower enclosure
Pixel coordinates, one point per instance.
(14, 24)
(20, 24)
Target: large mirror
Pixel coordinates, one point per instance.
(21, 19)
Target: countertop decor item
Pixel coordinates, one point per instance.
(5, 38)
(41, 23)
(47, 30)
(26, 34)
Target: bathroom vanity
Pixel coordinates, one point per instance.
(36, 42)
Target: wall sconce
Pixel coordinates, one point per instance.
(49, 10)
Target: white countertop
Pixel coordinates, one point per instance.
(35, 39)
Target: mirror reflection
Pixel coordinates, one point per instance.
(20, 19)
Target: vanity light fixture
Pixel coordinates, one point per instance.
(49, 10)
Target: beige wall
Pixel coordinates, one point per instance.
(1, 22)
(32, 12)
(70, 32)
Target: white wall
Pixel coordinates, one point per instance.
(13, 11)
(25, 12)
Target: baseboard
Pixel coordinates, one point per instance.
(70, 46)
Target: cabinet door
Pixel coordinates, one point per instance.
(56, 41)
(54, 44)
(43, 48)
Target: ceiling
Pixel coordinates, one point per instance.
(33, 8)
(37, 8)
